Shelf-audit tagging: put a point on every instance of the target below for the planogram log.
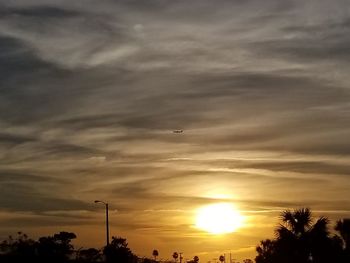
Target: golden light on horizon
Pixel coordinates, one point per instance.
(219, 218)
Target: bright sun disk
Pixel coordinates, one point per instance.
(219, 218)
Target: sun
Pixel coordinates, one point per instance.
(220, 218)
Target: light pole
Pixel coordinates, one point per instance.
(107, 224)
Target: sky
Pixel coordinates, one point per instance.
(91, 91)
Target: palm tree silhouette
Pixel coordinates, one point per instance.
(296, 222)
(155, 254)
(343, 227)
(291, 234)
(299, 240)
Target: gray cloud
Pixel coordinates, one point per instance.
(91, 92)
(18, 197)
(12, 176)
(46, 12)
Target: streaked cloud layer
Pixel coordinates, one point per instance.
(90, 92)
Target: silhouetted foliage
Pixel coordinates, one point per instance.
(175, 256)
(155, 254)
(266, 252)
(19, 249)
(148, 260)
(89, 255)
(194, 260)
(118, 251)
(56, 248)
(343, 228)
(300, 239)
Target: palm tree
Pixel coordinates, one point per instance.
(175, 256)
(343, 227)
(301, 240)
(297, 221)
(155, 254)
(298, 225)
(291, 237)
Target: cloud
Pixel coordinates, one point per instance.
(47, 12)
(18, 197)
(90, 94)
(321, 42)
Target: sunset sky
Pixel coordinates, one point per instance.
(91, 92)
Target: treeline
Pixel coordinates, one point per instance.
(299, 239)
(58, 249)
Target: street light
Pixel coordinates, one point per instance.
(107, 224)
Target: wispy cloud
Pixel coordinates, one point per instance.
(90, 93)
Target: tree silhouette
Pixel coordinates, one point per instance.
(343, 227)
(56, 248)
(266, 252)
(299, 240)
(117, 251)
(89, 255)
(155, 254)
(19, 249)
(147, 260)
(175, 256)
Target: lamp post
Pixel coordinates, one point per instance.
(107, 223)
